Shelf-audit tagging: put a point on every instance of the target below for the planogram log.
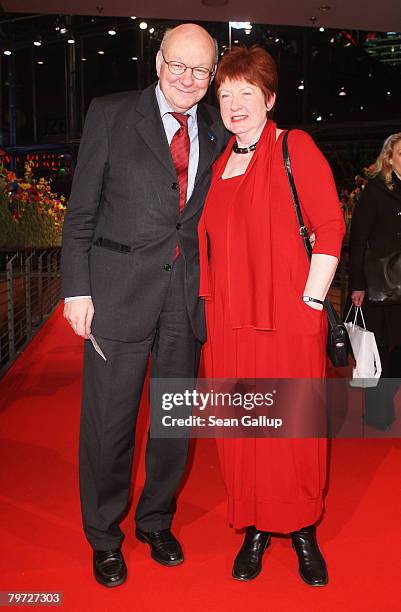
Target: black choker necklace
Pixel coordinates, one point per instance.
(243, 150)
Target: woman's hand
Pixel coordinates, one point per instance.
(357, 297)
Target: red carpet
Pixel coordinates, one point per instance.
(43, 548)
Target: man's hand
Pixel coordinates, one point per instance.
(79, 314)
(357, 297)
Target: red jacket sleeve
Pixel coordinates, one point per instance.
(317, 193)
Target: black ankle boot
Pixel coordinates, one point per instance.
(312, 566)
(248, 562)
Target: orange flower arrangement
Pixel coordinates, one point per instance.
(30, 212)
(29, 191)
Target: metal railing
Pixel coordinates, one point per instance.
(30, 288)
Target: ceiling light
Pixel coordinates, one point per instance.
(132, 17)
(37, 43)
(40, 62)
(321, 29)
(342, 92)
(100, 52)
(143, 25)
(319, 118)
(63, 30)
(83, 59)
(362, 107)
(301, 85)
(112, 32)
(71, 41)
(332, 40)
(151, 30)
(236, 42)
(134, 58)
(247, 31)
(7, 52)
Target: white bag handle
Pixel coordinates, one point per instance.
(358, 309)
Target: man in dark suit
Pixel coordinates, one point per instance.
(131, 276)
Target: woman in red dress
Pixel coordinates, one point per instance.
(255, 276)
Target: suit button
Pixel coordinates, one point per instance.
(167, 267)
(174, 186)
(178, 226)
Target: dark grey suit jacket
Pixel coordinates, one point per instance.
(124, 190)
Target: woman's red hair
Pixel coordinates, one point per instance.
(253, 64)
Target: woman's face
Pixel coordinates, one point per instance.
(396, 158)
(243, 107)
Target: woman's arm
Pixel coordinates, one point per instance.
(320, 277)
(321, 210)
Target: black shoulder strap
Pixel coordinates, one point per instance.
(303, 232)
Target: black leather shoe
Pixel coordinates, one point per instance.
(312, 566)
(248, 562)
(164, 547)
(109, 567)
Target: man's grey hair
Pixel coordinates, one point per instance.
(168, 32)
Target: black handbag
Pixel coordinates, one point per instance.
(338, 345)
(383, 277)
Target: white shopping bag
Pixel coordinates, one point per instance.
(368, 365)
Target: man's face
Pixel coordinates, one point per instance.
(196, 51)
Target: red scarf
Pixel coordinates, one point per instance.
(250, 269)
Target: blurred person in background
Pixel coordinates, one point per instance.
(376, 232)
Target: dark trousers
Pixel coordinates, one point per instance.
(379, 411)
(111, 396)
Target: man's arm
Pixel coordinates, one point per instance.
(79, 314)
(80, 221)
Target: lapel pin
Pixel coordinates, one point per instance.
(212, 138)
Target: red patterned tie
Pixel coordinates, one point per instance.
(179, 148)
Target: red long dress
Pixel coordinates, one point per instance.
(274, 484)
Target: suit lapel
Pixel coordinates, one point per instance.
(208, 143)
(151, 128)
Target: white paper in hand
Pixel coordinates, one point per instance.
(97, 347)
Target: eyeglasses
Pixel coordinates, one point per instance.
(179, 68)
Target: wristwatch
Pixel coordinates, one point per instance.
(308, 298)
